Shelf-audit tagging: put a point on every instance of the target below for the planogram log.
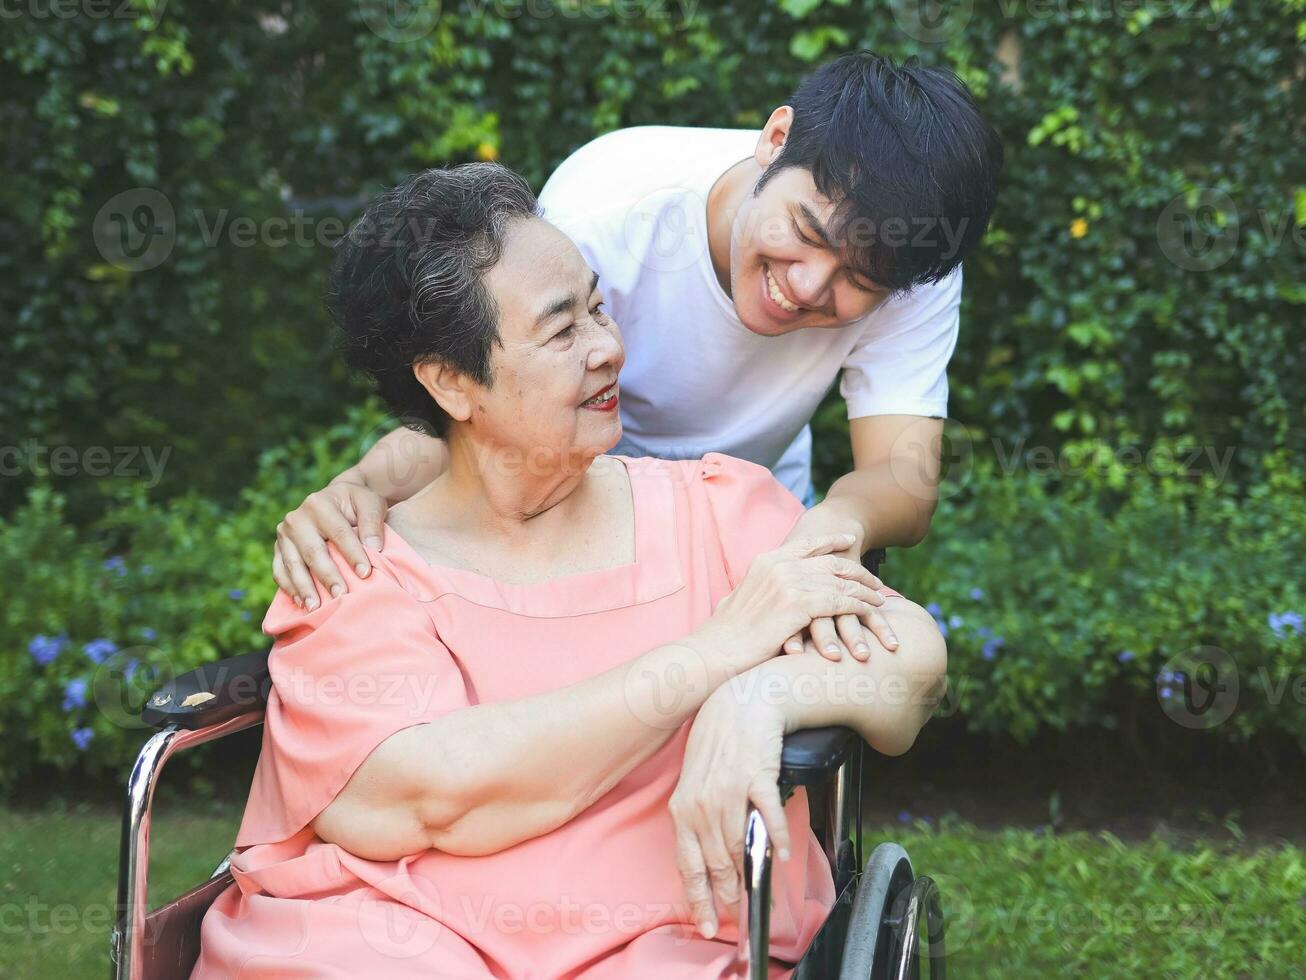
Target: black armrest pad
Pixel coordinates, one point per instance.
(237, 685)
(814, 754)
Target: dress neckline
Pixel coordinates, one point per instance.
(655, 572)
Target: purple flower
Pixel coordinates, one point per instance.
(934, 610)
(943, 628)
(1167, 693)
(1278, 621)
(983, 632)
(904, 816)
(129, 668)
(955, 621)
(991, 647)
(82, 737)
(116, 564)
(98, 651)
(1125, 656)
(237, 594)
(74, 694)
(44, 649)
(149, 633)
(977, 593)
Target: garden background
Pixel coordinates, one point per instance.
(1122, 516)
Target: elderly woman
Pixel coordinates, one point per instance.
(523, 746)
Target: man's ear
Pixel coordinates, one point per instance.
(773, 137)
(450, 388)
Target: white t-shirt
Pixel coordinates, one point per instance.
(696, 380)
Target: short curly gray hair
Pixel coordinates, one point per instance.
(407, 283)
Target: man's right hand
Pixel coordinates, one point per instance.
(800, 581)
(344, 512)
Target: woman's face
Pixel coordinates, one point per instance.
(559, 349)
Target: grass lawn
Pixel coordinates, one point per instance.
(1021, 903)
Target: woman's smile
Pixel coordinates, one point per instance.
(604, 401)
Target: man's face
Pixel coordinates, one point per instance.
(786, 271)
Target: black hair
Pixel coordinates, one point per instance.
(906, 157)
(407, 282)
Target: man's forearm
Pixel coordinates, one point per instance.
(399, 465)
(886, 699)
(892, 506)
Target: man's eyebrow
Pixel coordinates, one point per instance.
(563, 303)
(820, 232)
(814, 223)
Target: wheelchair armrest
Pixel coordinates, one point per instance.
(811, 756)
(212, 693)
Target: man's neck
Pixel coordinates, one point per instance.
(723, 203)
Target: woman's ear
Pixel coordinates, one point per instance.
(448, 386)
(773, 137)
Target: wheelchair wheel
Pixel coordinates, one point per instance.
(885, 922)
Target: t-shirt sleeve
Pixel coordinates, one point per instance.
(900, 365)
(752, 512)
(345, 677)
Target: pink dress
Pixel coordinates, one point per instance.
(599, 898)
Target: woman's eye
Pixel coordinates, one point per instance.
(566, 331)
(597, 311)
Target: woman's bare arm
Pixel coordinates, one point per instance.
(482, 778)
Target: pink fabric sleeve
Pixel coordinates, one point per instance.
(345, 677)
(753, 511)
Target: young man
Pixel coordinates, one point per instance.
(747, 271)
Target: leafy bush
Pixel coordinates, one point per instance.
(1061, 609)
(95, 622)
(1078, 608)
(1140, 282)
(1137, 292)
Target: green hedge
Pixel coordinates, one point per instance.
(1137, 294)
(1137, 133)
(1061, 610)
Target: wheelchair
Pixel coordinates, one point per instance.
(884, 921)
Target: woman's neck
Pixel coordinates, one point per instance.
(496, 489)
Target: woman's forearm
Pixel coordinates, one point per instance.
(400, 464)
(528, 766)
